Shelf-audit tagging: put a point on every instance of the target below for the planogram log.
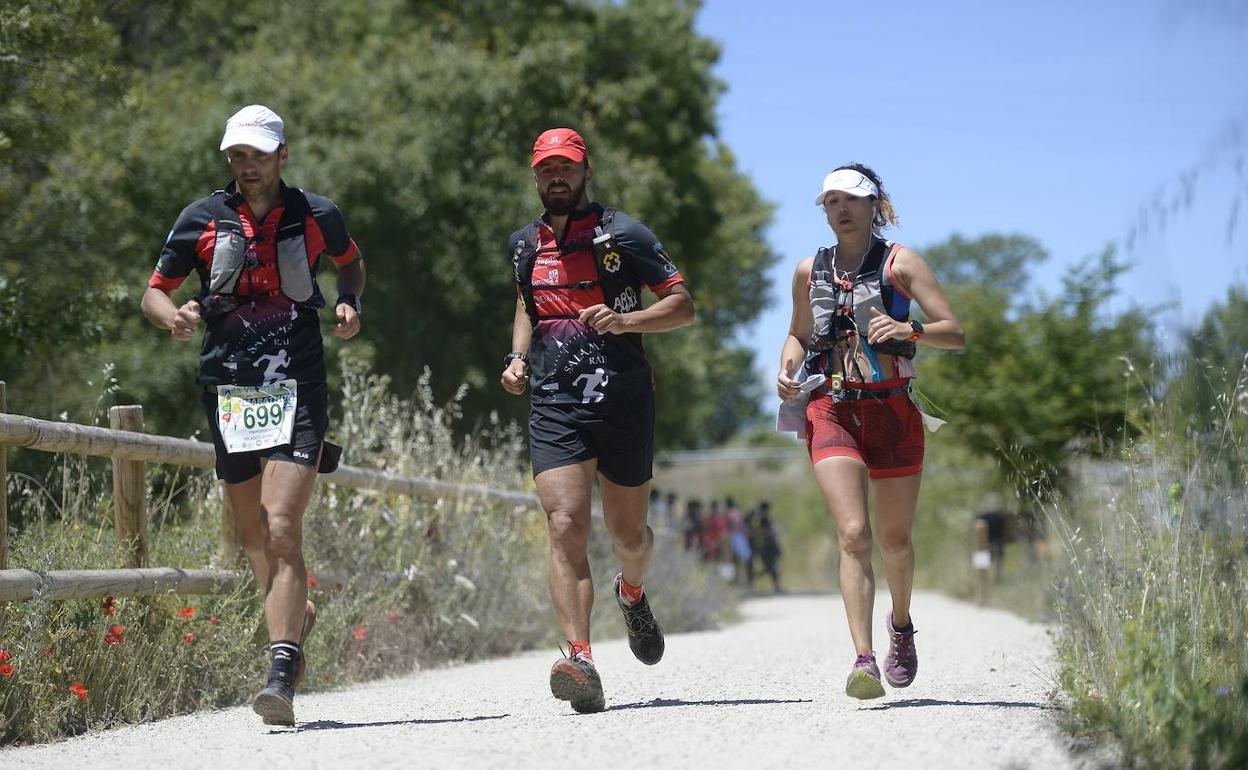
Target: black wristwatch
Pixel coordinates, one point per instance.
(918, 331)
(507, 359)
(350, 299)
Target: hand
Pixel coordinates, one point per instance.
(885, 327)
(515, 377)
(185, 320)
(786, 387)
(604, 320)
(348, 322)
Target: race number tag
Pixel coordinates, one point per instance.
(255, 417)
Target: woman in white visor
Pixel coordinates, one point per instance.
(850, 350)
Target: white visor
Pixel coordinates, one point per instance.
(848, 181)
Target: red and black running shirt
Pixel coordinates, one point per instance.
(269, 337)
(569, 362)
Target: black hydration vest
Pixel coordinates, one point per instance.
(229, 256)
(613, 269)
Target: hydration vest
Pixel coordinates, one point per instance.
(613, 270)
(230, 256)
(871, 287)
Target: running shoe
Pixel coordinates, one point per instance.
(864, 678)
(309, 622)
(576, 680)
(276, 704)
(645, 638)
(902, 663)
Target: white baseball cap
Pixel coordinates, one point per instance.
(255, 126)
(848, 181)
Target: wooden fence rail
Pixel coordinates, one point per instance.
(130, 449)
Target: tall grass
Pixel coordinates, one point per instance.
(431, 581)
(1154, 600)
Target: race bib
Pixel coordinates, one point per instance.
(255, 417)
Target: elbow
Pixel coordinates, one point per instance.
(691, 314)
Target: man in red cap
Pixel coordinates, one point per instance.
(576, 344)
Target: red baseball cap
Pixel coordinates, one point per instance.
(559, 141)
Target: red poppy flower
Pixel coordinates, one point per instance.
(77, 689)
(108, 607)
(189, 639)
(5, 655)
(213, 619)
(115, 636)
(360, 633)
(392, 616)
(6, 670)
(311, 580)
(186, 612)
(46, 652)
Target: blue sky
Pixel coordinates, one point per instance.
(1060, 120)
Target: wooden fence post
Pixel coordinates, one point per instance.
(129, 492)
(229, 531)
(4, 493)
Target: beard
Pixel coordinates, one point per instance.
(562, 204)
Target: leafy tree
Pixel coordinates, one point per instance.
(1040, 378)
(417, 118)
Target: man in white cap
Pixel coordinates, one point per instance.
(255, 246)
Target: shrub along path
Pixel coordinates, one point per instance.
(767, 692)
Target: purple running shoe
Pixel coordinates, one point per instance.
(902, 663)
(864, 678)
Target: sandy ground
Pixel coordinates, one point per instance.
(766, 692)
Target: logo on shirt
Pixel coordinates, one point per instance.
(626, 302)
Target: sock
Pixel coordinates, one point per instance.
(285, 656)
(907, 627)
(629, 593)
(579, 647)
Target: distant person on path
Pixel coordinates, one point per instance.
(769, 549)
(851, 332)
(576, 344)
(255, 246)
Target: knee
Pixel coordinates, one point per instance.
(632, 543)
(567, 531)
(285, 538)
(898, 544)
(253, 540)
(854, 539)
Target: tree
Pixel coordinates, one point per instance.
(420, 131)
(1042, 378)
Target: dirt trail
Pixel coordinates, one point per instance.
(766, 692)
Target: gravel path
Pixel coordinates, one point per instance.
(767, 692)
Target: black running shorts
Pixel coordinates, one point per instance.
(619, 434)
(311, 422)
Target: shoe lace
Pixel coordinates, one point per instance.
(865, 659)
(639, 619)
(903, 644)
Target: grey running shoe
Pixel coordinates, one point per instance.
(902, 663)
(576, 680)
(864, 678)
(645, 638)
(276, 704)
